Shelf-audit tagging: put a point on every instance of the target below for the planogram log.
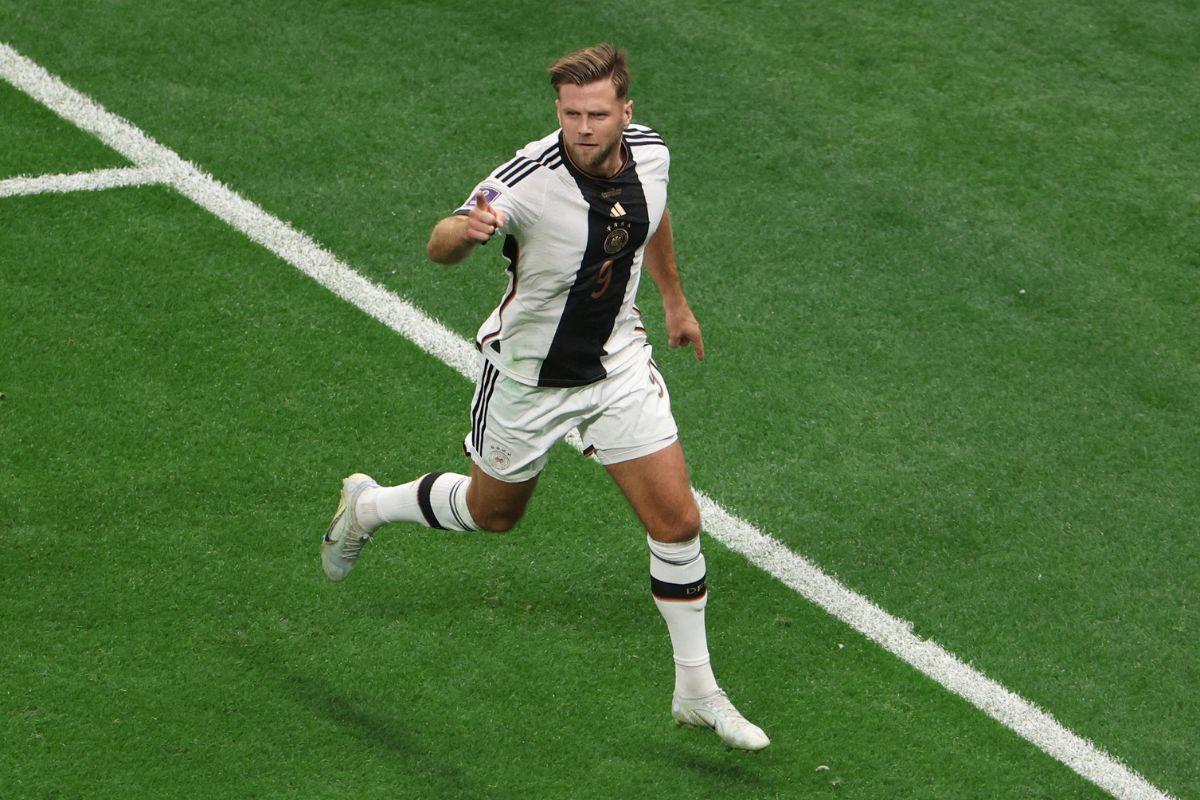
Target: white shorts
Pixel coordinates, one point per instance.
(513, 426)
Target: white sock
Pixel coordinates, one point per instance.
(677, 581)
(436, 500)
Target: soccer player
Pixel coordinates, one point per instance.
(582, 211)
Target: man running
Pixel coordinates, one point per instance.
(582, 211)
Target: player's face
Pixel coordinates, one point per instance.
(592, 119)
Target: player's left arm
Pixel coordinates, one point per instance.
(659, 262)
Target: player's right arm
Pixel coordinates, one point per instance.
(454, 237)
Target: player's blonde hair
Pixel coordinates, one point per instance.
(592, 64)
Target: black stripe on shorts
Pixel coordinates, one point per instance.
(486, 400)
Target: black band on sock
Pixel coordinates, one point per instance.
(678, 591)
(423, 489)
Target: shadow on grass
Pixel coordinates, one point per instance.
(371, 729)
(727, 772)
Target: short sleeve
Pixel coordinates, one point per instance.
(516, 189)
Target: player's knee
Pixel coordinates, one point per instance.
(682, 526)
(689, 525)
(499, 520)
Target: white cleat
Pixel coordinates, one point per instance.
(717, 712)
(345, 538)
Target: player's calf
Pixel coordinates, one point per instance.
(437, 500)
(679, 583)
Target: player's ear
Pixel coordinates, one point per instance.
(628, 113)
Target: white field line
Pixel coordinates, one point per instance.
(795, 571)
(77, 181)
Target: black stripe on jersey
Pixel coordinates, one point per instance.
(636, 140)
(523, 173)
(424, 502)
(506, 167)
(529, 167)
(596, 297)
(678, 591)
(555, 164)
(643, 135)
(524, 170)
(511, 167)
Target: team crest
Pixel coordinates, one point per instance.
(499, 459)
(618, 237)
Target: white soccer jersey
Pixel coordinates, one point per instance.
(574, 245)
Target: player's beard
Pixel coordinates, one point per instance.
(594, 163)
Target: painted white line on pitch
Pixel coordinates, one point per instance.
(77, 181)
(759, 548)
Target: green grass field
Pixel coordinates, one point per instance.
(946, 260)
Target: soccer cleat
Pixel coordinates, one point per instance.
(345, 538)
(717, 712)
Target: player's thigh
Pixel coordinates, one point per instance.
(514, 426)
(630, 415)
(658, 488)
(497, 505)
